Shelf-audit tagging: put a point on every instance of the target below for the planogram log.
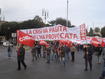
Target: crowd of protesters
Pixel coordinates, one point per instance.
(53, 51)
(61, 53)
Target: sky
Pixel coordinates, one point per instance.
(90, 12)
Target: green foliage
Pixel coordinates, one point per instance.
(7, 28)
(53, 22)
(91, 32)
(97, 29)
(37, 22)
(97, 32)
(60, 21)
(10, 27)
(72, 26)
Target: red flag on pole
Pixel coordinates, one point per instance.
(25, 39)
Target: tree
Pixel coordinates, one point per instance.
(103, 31)
(7, 28)
(27, 24)
(97, 32)
(60, 21)
(37, 22)
(91, 32)
(37, 18)
(72, 26)
(1, 22)
(97, 29)
(53, 22)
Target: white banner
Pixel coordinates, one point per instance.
(58, 32)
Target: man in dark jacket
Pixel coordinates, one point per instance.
(20, 57)
(38, 50)
(99, 52)
(103, 70)
(88, 57)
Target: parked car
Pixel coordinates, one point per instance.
(7, 43)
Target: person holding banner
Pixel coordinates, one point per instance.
(20, 57)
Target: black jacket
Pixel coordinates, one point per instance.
(21, 53)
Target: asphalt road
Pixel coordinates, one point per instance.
(41, 70)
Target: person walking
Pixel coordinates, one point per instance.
(99, 52)
(88, 52)
(73, 50)
(103, 71)
(62, 55)
(85, 51)
(38, 49)
(9, 51)
(48, 52)
(34, 53)
(21, 57)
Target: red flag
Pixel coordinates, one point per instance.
(95, 42)
(65, 42)
(103, 43)
(25, 39)
(42, 42)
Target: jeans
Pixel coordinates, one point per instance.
(72, 56)
(67, 57)
(48, 58)
(9, 54)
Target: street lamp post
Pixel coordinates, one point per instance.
(67, 13)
